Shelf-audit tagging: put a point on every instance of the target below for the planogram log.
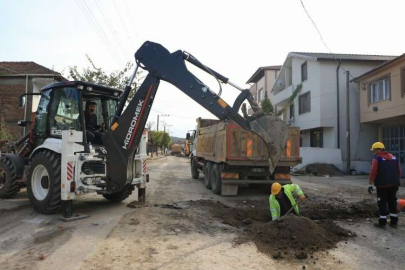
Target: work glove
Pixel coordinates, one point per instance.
(370, 189)
(302, 197)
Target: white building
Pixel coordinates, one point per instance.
(263, 81)
(319, 109)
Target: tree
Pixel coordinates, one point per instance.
(116, 79)
(166, 140)
(266, 105)
(5, 134)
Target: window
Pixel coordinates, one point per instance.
(393, 137)
(380, 90)
(261, 96)
(316, 137)
(42, 114)
(305, 103)
(65, 110)
(304, 72)
(292, 110)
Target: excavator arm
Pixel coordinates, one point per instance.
(122, 139)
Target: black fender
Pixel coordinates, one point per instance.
(18, 163)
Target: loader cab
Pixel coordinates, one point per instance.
(62, 106)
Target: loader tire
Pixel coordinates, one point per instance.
(207, 174)
(216, 181)
(43, 182)
(119, 196)
(194, 168)
(9, 185)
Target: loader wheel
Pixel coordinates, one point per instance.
(207, 174)
(43, 183)
(119, 196)
(194, 168)
(216, 181)
(9, 185)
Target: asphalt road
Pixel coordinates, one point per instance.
(116, 237)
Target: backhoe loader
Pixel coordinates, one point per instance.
(58, 160)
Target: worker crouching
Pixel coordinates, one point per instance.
(385, 175)
(282, 201)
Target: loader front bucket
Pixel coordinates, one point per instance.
(274, 133)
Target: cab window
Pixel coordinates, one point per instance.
(65, 111)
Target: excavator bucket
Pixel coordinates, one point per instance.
(274, 133)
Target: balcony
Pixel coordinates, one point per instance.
(281, 98)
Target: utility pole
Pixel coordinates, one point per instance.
(348, 165)
(157, 125)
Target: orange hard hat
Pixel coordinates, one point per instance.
(275, 188)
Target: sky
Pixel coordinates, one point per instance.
(234, 38)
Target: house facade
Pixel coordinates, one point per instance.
(17, 78)
(382, 104)
(262, 81)
(318, 82)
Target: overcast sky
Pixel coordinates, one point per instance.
(232, 37)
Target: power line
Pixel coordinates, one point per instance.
(173, 114)
(323, 41)
(92, 23)
(129, 15)
(110, 25)
(101, 29)
(123, 23)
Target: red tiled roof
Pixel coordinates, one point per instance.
(23, 68)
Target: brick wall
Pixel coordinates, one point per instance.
(9, 107)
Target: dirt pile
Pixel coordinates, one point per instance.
(289, 237)
(294, 236)
(321, 169)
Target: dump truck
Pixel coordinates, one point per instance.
(176, 149)
(230, 156)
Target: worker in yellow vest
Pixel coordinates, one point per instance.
(282, 200)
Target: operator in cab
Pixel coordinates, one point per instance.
(282, 201)
(93, 131)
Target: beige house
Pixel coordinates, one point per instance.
(262, 81)
(382, 103)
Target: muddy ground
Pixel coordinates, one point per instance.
(186, 226)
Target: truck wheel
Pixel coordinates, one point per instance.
(216, 181)
(9, 185)
(207, 174)
(194, 168)
(119, 196)
(43, 183)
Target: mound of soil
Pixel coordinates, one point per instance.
(294, 236)
(290, 236)
(322, 169)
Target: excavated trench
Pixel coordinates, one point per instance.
(292, 236)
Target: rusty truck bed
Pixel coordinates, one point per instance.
(227, 142)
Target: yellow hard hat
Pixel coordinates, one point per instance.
(275, 188)
(377, 145)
